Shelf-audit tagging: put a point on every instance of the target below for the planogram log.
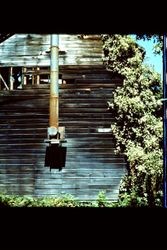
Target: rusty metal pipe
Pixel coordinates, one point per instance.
(54, 85)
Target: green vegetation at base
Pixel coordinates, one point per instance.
(62, 201)
(9, 201)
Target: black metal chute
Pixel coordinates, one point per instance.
(55, 156)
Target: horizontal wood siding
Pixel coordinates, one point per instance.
(91, 163)
(32, 50)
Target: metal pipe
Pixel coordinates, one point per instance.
(54, 86)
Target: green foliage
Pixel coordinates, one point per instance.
(157, 38)
(101, 199)
(64, 201)
(121, 53)
(138, 128)
(25, 201)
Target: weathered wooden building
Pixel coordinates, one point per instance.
(86, 86)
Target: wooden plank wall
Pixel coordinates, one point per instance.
(32, 50)
(91, 164)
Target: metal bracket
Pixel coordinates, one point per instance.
(55, 135)
(55, 141)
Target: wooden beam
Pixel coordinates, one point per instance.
(33, 78)
(11, 77)
(24, 78)
(38, 76)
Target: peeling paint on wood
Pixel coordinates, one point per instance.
(33, 50)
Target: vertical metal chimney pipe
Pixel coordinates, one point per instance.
(54, 84)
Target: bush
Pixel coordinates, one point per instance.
(138, 128)
(23, 201)
(64, 201)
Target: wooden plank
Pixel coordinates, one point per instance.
(47, 181)
(42, 136)
(78, 145)
(72, 155)
(91, 83)
(19, 120)
(89, 114)
(97, 165)
(23, 125)
(41, 172)
(26, 104)
(85, 110)
(22, 145)
(26, 167)
(86, 194)
(72, 122)
(88, 95)
(29, 170)
(15, 141)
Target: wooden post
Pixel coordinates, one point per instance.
(11, 79)
(33, 77)
(24, 78)
(38, 76)
(54, 86)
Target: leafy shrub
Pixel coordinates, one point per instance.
(101, 199)
(64, 201)
(138, 128)
(25, 201)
